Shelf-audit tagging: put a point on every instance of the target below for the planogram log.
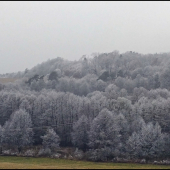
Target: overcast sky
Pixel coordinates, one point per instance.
(33, 32)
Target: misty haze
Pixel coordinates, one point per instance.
(85, 81)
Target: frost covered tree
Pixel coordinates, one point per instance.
(165, 78)
(53, 76)
(147, 143)
(123, 127)
(104, 132)
(133, 145)
(112, 91)
(1, 137)
(18, 130)
(80, 133)
(152, 140)
(51, 140)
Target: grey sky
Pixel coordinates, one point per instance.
(32, 32)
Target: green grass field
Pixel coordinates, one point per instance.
(10, 162)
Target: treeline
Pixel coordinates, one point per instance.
(111, 105)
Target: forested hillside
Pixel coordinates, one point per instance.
(109, 105)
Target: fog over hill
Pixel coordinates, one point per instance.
(108, 105)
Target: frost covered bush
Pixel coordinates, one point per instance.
(56, 155)
(44, 152)
(78, 154)
(102, 154)
(30, 153)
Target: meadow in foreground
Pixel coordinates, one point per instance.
(10, 162)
